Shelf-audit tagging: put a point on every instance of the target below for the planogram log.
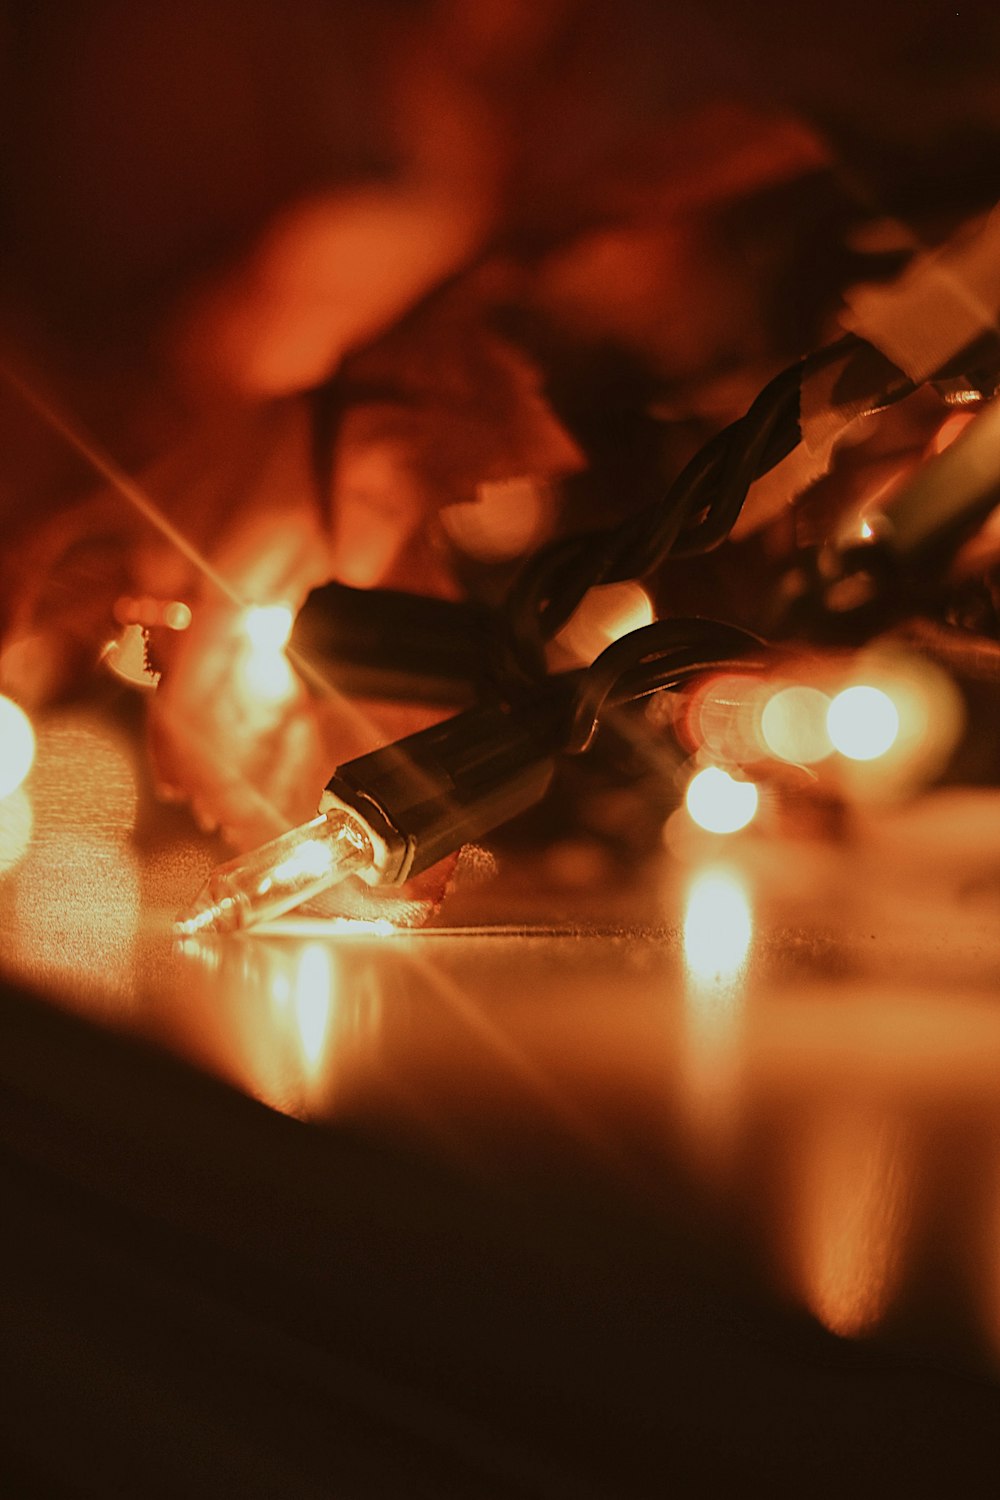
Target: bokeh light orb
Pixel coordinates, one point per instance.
(863, 722)
(793, 725)
(177, 615)
(718, 802)
(17, 746)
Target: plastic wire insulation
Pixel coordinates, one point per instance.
(695, 515)
(649, 659)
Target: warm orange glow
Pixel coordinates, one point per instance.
(267, 676)
(339, 927)
(951, 428)
(76, 897)
(718, 802)
(281, 989)
(268, 627)
(906, 714)
(507, 519)
(264, 671)
(863, 722)
(718, 928)
(17, 746)
(15, 828)
(717, 938)
(169, 614)
(853, 1221)
(793, 725)
(176, 615)
(604, 615)
(722, 717)
(267, 1015)
(313, 996)
(309, 860)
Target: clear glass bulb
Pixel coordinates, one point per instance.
(291, 869)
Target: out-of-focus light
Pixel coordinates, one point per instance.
(605, 613)
(176, 615)
(718, 802)
(717, 938)
(863, 722)
(314, 997)
(16, 822)
(33, 667)
(896, 725)
(17, 746)
(267, 676)
(281, 989)
(793, 725)
(951, 428)
(722, 717)
(152, 614)
(718, 928)
(853, 1219)
(264, 670)
(507, 518)
(269, 626)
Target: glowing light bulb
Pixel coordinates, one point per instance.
(718, 802)
(288, 871)
(863, 722)
(264, 669)
(605, 613)
(268, 627)
(17, 746)
(793, 725)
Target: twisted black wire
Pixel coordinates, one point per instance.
(654, 657)
(695, 515)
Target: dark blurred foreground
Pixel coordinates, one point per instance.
(202, 1297)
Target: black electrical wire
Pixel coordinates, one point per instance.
(697, 512)
(694, 516)
(411, 803)
(652, 658)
